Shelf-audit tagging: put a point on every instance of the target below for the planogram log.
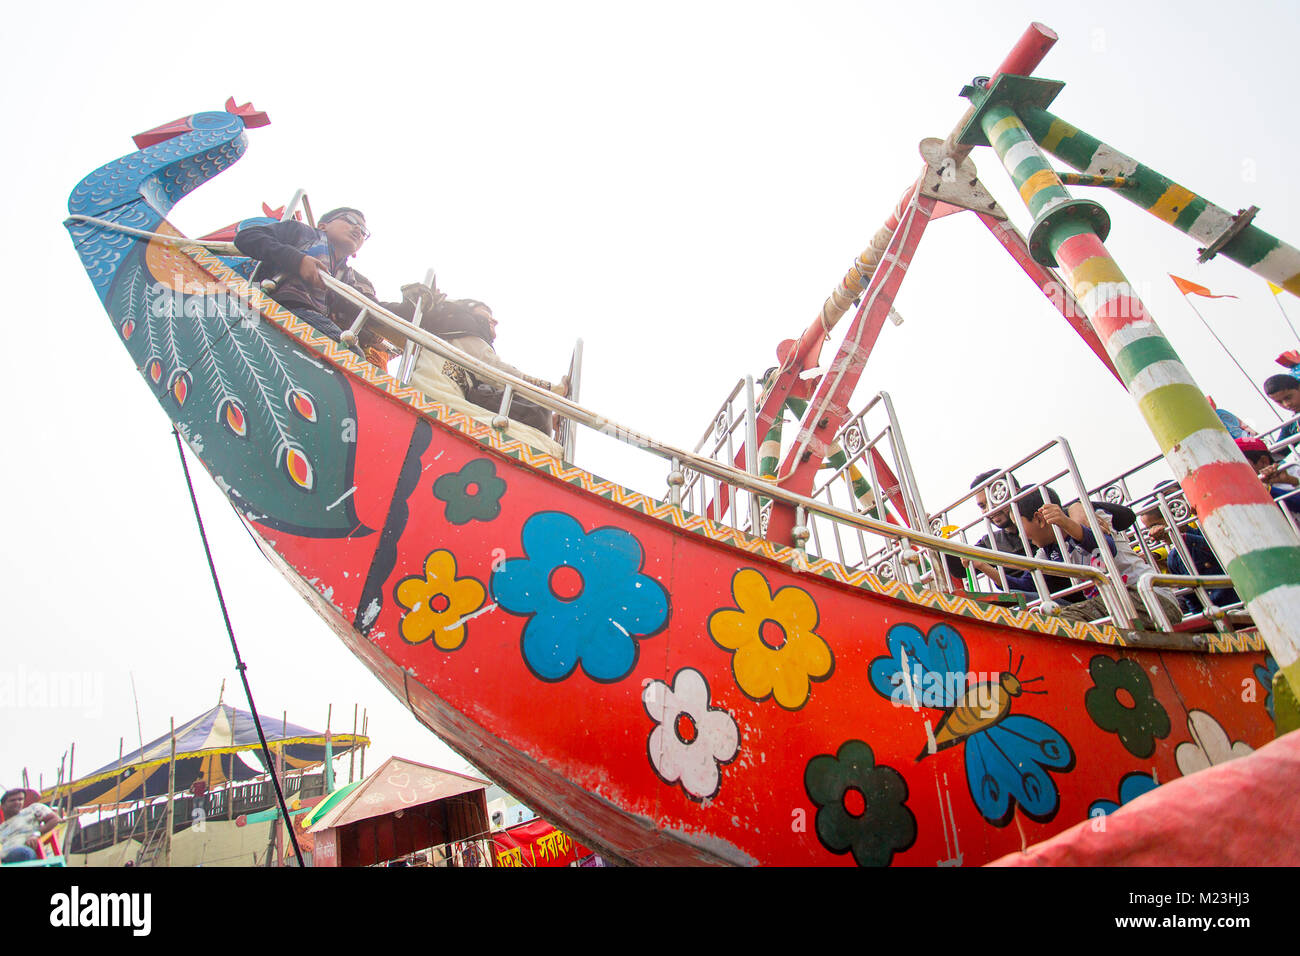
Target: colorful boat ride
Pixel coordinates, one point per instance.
(740, 670)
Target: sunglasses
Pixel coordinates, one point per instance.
(352, 220)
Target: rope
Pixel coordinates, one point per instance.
(239, 663)
(890, 264)
(220, 248)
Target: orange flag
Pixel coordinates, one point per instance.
(1191, 288)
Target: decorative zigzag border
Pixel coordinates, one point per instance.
(344, 358)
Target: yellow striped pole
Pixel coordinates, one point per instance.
(1259, 549)
(1219, 230)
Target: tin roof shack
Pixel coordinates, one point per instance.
(403, 807)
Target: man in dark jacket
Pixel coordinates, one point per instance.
(1005, 538)
(470, 326)
(295, 255)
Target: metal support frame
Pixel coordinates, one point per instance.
(718, 471)
(828, 408)
(1258, 544)
(1236, 237)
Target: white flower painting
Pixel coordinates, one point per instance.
(690, 739)
(1209, 745)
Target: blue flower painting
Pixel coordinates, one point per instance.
(1130, 788)
(585, 596)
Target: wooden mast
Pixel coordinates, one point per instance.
(171, 793)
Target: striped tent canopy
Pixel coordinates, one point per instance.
(207, 749)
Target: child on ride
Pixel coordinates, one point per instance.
(1038, 517)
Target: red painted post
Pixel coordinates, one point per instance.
(829, 407)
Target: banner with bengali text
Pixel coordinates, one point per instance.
(536, 843)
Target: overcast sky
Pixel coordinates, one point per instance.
(680, 185)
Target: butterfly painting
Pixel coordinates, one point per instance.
(1010, 757)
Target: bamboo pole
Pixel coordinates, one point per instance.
(117, 795)
(279, 764)
(329, 753)
(72, 758)
(171, 793)
(365, 732)
(352, 751)
(139, 729)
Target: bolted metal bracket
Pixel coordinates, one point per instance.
(1018, 92)
(1090, 213)
(957, 185)
(1240, 221)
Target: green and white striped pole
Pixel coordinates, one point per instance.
(1261, 253)
(769, 460)
(1260, 550)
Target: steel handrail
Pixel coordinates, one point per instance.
(1148, 583)
(584, 416)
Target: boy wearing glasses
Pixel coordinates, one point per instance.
(295, 255)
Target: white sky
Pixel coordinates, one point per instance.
(681, 185)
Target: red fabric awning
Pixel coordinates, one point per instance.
(1240, 813)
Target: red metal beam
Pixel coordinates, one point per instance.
(1052, 286)
(830, 406)
(1023, 58)
(1028, 52)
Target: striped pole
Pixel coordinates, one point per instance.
(1263, 254)
(1260, 550)
(800, 354)
(769, 459)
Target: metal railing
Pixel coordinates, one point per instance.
(226, 803)
(733, 479)
(875, 474)
(732, 427)
(1004, 489)
(1167, 503)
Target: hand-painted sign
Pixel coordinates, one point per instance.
(536, 843)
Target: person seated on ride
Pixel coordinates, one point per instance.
(1204, 559)
(1285, 391)
(470, 326)
(1115, 519)
(26, 820)
(1281, 483)
(1004, 537)
(1117, 516)
(294, 255)
(1038, 518)
(1019, 579)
